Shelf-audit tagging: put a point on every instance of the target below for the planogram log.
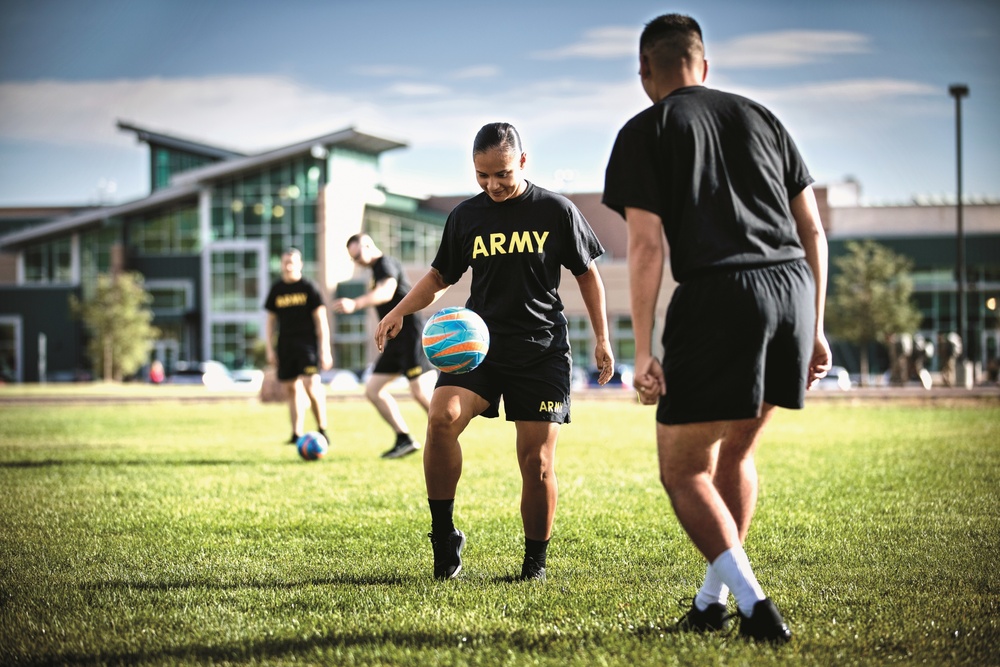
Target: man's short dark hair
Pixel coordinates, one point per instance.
(672, 38)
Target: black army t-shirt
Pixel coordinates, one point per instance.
(516, 249)
(720, 170)
(389, 267)
(294, 303)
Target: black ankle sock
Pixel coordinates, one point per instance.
(441, 516)
(403, 438)
(536, 550)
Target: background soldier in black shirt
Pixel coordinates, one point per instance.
(295, 310)
(403, 355)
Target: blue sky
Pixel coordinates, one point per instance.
(862, 85)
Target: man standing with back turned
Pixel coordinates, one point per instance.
(721, 177)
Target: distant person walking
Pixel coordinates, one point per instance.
(950, 349)
(297, 320)
(404, 354)
(720, 176)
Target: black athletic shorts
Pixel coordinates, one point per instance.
(532, 376)
(297, 357)
(404, 355)
(736, 339)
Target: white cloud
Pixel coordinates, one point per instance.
(259, 112)
(786, 48)
(256, 113)
(764, 50)
(476, 72)
(417, 89)
(387, 71)
(850, 91)
(600, 43)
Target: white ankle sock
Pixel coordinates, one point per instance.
(712, 591)
(733, 567)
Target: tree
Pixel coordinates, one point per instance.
(871, 297)
(118, 318)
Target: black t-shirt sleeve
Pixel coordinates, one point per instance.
(387, 267)
(450, 260)
(584, 245)
(797, 176)
(633, 176)
(269, 304)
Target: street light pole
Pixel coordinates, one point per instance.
(958, 91)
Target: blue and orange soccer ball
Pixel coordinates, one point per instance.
(456, 340)
(312, 446)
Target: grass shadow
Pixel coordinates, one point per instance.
(55, 463)
(165, 586)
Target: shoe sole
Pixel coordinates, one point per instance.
(403, 451)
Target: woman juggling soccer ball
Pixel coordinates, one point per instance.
(516, 237)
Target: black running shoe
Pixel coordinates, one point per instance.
(532, 570)
(715, 618)
(447, 554)
(294, 440)
(765, 624)
(402, 449)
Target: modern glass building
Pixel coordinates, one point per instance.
(207, 241)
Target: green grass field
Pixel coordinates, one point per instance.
(170, 532)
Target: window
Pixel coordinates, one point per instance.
(580, 341)
(408, 239)
(170, 298)
(277, 204)
(10, 348)
(234, 281)
(50, 262)
(233, 343)
(622, 339)
(350, 335)
(167, 162)
(168, 233)
(350, 342)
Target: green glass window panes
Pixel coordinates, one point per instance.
(233, 342)
(234, 281)
(277, 204)
(350, 342)
(623, 339)
(50, 262)
(166, 233)
(408, 239)
(168, 300)
(580, 340)
(167, 162)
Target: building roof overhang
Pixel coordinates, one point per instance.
(189, 183)
(95, 217)
(187, 145)
(350, 139)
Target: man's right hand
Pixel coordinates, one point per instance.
(387, 329)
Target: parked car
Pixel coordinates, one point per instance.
(211, 374)
(339, 378)
(250, 379)
(621, 379)
(838, 379)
